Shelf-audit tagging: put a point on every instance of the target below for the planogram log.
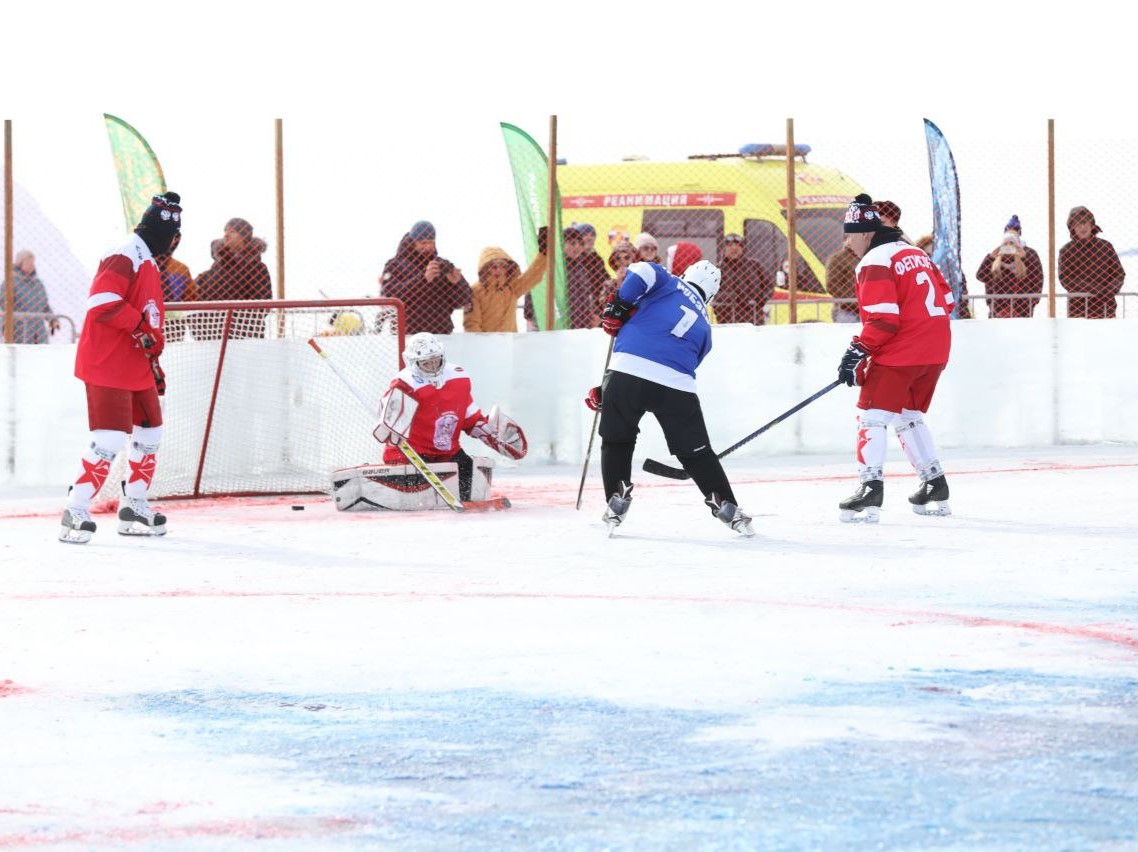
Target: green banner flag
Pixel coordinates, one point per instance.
(531, 182)
(140, 175)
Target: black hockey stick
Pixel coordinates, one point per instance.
(653, 466)
(593, 431)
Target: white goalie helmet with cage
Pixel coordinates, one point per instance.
(425, 355)
(706, 276)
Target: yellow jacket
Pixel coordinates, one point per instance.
(494, 305)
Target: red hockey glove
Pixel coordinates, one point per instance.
(615, 314)
(150, 340)
(159, 376)
(593, 398)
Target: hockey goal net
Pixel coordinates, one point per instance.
(249, 406)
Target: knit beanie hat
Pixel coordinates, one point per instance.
(681, 256)
(422, 230)
(160, 222)
(1013, 224)
(242, 226)
(625, 248)
(862, 216)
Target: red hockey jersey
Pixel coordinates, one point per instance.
(446, 409)
(905, 306)
(127, 287)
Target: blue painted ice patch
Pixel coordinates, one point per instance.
(998, 759)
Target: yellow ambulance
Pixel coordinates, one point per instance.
(708, 196)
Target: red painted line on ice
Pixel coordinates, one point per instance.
(280, 828)
(1116, 635)
(520, 493)
(8, 688)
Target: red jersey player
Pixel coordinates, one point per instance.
(117, 359)
(429, 403)
(897, 359)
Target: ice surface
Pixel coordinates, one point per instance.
(313, 679)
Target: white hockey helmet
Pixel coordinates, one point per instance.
(424, 354)
(704, 275)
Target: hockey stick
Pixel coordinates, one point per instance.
(659, 469)
(593, 431)
(408, 451)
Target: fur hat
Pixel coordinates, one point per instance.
(1078, 213)
(625, 247)
(889, 210)
(862, 216)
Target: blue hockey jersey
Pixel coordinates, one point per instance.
(669, 335)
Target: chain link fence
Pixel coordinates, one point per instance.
(738, 207)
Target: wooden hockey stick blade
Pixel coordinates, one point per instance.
(660, 469)
(494, 504)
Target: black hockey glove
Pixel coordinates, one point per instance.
(848, 369)
(615, 314)
(159, 376)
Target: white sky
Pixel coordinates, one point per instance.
(392, 114)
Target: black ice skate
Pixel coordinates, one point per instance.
(932, 498)
(617, 506)
(137, 518)
(731, 515)
(867, 499)
(76, 526)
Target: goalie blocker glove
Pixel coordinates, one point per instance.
(501, 434)
(615, 314)
(851, 370)
(395, 418)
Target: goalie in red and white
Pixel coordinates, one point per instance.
(430, 405)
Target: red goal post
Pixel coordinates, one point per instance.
(249, 409)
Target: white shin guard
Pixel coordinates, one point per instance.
(105, 445)
(872, 434)
(144, 442)
(917, 442)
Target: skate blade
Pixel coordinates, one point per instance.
(72, 536)
(853, 516)
(128, 528)
(745, 530)
(935, 510)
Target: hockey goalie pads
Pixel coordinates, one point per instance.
(395, 417)
(501, 434)
(400, 487)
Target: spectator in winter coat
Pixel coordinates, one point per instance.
(494, 297)
(1090, 265)
(647, 247)
(430, 287)
(1011, 269)
(237, 274)
(840, 283)
(29, 296)
(581, 287)
(745, 288)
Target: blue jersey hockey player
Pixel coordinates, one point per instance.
(662, 334)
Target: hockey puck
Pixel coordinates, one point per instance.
(298, 508)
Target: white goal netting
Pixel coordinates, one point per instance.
(250, 408)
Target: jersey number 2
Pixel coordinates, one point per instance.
(931, 306)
